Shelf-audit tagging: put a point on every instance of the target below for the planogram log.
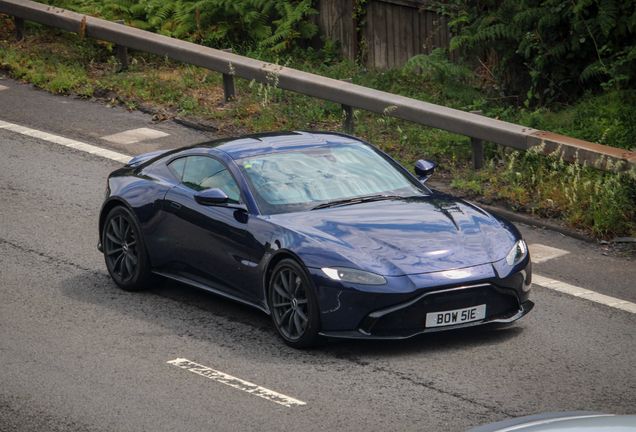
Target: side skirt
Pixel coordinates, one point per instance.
(208, 288)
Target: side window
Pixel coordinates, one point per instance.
(177, 166)
(201, 172)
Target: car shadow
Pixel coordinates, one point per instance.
(178, 303)
(183, 310)
(448, 340)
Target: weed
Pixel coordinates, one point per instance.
(602, 202)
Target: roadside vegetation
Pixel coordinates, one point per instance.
(537, 93)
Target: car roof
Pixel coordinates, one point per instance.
(271, 142)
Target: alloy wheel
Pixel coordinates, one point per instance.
(290, 304)
(121, 248)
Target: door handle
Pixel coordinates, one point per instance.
(175, 205)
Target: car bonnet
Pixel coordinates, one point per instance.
(406, 236)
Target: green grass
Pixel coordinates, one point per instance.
(599, 202)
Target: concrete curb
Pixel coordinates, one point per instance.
(537, 222)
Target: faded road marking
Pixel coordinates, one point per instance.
(3, 88)
(541, 253)
(77, 145)
(237, 383)
(584, 293)
(135, 135)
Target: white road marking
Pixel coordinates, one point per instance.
(3, 88)
(584, 293)
(541, 253)
(108, 154)
(135, 135)
(238, 383)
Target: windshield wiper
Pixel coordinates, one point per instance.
(355, 200)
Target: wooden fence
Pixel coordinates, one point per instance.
(395, 30)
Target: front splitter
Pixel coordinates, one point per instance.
(524, 309)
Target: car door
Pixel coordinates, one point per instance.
(208, 240)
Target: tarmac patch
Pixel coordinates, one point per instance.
(135, 135)
(541, 253)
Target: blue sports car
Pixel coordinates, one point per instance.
(323, 231)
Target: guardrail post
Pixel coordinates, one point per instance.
(478, 149)
(20, 28)
(122, 53)
(347, 110)
(228, 83)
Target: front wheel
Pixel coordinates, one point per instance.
(293, 304)
(125, 251)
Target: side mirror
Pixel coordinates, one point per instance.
(210, 197)
(424, 169)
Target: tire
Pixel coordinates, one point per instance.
(125, 251)
(293, 304)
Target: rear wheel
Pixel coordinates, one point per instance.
(125, 251)
(293, 304)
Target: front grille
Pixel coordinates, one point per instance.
(412, 318)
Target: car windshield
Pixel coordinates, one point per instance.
(302, 179)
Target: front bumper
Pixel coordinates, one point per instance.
(369, 330)
(398, 309)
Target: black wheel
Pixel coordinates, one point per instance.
(293, 304)
(125, 251)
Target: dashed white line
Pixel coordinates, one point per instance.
(108, 154)
(237, 383)
(584, 293)
(135, 135)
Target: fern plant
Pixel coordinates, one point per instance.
(553, 50)
(452, 78)
(291, 25)
(274, 25)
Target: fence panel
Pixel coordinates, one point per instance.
(394, 31)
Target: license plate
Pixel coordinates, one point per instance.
(458, 316)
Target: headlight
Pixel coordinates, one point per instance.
(517, 253)
(353, 276)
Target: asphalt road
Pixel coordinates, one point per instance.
(78, 354)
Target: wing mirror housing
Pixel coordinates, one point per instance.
(216, 197)
(210, 197)
(424, 168)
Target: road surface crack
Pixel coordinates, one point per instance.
(429, 386)
(49, 257)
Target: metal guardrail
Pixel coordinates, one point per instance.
(347, 94)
